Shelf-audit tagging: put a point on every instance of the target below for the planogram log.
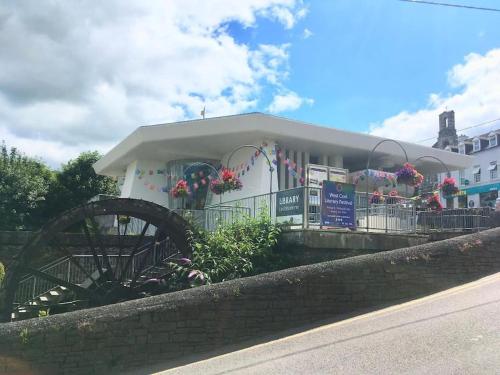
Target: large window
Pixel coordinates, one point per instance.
(461, 178)
(197, 177)
(493, 170)
(476, 145)
(461, 148)
(488, 199)
(493, 140)
(476, 172)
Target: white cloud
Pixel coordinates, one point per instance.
(477, 101)
(76, 77)
(307, 33)
(289, 101)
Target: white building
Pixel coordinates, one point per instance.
(479, 184)
(151, 159)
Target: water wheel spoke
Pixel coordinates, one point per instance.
(76, 263)
(56, 280)
(101, 246)
(119, 263)
(95, 256)
(134, 251)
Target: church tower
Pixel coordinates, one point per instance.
(447, 132)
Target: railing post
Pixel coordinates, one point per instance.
(154, 255)
(306, 208)
(254, 208)
(34, 287)
(69, 271)
(386, 218)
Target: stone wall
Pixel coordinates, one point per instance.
(313, 245)
(164, 328)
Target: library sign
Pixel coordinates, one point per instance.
(337, 206)
(290, 206)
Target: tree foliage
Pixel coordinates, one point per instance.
(77, 182)
(31, 194)
(24, 185)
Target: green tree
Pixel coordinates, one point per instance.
(24, 184)
(77, 182)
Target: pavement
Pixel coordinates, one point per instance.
(453, 332)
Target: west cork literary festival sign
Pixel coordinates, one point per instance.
(337, 206)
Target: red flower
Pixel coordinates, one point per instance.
(227, 175)
(180, 190)
(228, 182)
(434, 203)
(449, 187)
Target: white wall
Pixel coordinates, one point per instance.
(256, 179)
(142, 181)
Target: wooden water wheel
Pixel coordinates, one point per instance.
(96, 254)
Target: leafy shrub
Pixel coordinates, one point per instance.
(2, 273)
(244, 248)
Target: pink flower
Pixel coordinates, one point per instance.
(196, 274)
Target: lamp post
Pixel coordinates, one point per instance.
(271, 169)
(368, 167)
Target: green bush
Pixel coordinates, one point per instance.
(2, 273)
(244, 248)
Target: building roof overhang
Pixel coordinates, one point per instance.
(214, 137)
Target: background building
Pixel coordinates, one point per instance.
(479, 184)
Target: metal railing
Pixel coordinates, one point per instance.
(389, 215)
(210, 218)
(33, 286)
(454, 220)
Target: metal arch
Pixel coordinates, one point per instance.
(368, 167)
(271, 169)
(200, 163)
(448, 174)
(167, 223)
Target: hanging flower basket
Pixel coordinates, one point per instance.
(180, 190)
(227, 183)
(434, 203)
(393, 197)
(408, 175)
(449, 186)
(376, 198)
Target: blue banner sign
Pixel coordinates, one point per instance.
(337, 206)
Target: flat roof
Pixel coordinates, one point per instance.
(212, 138)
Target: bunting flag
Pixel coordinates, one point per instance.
(199, 179)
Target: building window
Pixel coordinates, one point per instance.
(461, 178)
(493, 170)
(313, 159)
(461, 148)
(476, 145)
(477, 173)
(493, 140)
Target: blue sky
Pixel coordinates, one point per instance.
(369, 60)
(87, 78)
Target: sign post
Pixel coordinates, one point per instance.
(338, 205)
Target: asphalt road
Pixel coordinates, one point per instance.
(453, 332)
